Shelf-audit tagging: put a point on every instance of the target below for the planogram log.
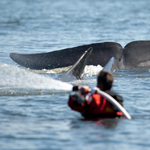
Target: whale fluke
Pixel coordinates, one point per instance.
(78, 68)
(136, 54)
(102, 52)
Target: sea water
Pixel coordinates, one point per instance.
(33, 103)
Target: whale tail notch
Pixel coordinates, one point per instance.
(78, 68)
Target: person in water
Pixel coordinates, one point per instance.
(90, 103)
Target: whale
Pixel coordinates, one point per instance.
(134, 55)
(112, 65)
(102, 52)
(77, 70)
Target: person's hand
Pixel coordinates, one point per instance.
(75, 88)
(82, 89)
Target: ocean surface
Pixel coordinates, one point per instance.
(33, 104)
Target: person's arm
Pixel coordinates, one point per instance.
(77, 98)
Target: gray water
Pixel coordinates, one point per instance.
(33, 105)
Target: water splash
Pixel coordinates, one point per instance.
(92, 70)
(21, 81)
(15, 77)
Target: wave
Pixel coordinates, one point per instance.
(22, 81)
(16, 77)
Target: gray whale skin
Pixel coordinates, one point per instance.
(134, 55)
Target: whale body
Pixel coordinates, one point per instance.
(135, 54)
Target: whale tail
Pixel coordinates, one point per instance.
(78, 68)
(112, 65)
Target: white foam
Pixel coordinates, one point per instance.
(89, 70)
(92, 70)
(13, 76)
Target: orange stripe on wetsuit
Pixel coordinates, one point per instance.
(100, 105)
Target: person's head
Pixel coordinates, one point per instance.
(104, 80)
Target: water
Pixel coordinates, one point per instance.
(33, 104)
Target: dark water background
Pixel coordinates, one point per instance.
(33, 107)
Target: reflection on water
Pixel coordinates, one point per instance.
(107, 123)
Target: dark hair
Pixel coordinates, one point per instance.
(105, 79)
